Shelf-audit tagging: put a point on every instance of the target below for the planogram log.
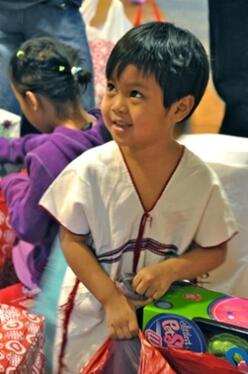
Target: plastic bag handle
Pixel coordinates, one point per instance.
(155, 9)
(88, 10)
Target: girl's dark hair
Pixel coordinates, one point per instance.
(174, 56)
(50, 68)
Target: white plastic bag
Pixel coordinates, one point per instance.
(9, 124)
(101, 40)
(10, 127)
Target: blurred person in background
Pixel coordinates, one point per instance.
(228, 21)
(21, 20)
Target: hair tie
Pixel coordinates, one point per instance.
(75, 70)
(20, 53)
(61, 68)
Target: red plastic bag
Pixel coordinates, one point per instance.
(187, 362)
(154, 8)
(134, 356)
(7, 238)
(7, 234)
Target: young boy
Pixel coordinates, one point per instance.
(137, 204)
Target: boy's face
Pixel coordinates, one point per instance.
(134, 112)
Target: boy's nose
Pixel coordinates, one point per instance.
(119, 106)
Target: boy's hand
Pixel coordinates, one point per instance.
(153, 280)
(120, 317)
(138, 304)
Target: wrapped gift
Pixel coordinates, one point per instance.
(21, 341)
(18, 295)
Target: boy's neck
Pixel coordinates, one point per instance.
(153, 154)
(151, 171)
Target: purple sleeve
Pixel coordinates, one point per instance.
(22, 193)
(14, 150)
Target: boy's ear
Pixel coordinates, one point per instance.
(183, 107)
(32, 100)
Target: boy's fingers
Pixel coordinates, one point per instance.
(125, 330)
(133, 328)
(112, 332)
(141, 289)
(117, 333)
(139, 303)
(121, 333)
(150, 292)
(157, 295)
(124, 333)
(135, 280)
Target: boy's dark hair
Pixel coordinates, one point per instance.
(45, 66)
(174, 56)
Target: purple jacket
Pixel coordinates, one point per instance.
(44, 157)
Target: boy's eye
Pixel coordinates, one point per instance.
(110, 87)
(136, 94)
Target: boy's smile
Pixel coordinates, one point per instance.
(121, 125)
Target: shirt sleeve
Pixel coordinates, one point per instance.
(67, 200)
(217, 224)
(15, 150)
(22, 194)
